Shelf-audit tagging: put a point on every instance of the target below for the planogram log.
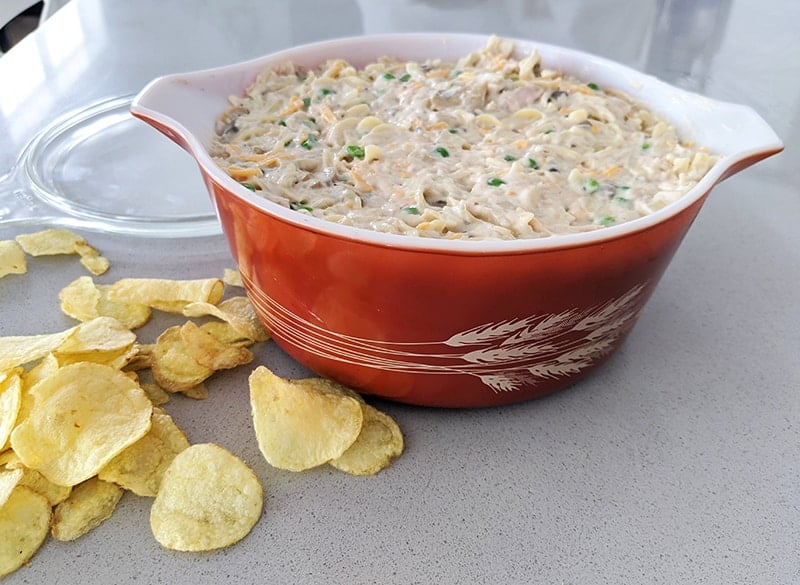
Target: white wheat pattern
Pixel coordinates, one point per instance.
(505, 355)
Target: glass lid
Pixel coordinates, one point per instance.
(118, 174)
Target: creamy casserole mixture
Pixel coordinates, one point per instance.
(489, 147)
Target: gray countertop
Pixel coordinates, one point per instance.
(677, 462)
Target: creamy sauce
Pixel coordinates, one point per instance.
(489, 147)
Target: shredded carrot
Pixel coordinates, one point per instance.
(262, 160)
(360, 182)
(336, 68)
(327, 114)
(437, 126)
(242, 173)
(521, 143)
(295, 105)
(611, 171)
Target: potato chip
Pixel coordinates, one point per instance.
(79, 299)
(174, 369)
(300, 425)
(34, 480)
(225, 333)
(242, 316)
(208, 499)
(102, 340)
(238, 311)
(24, 349)
(60, 241)
(140, 467)
(7, 456)
(142, 357)
(115, 359)
(132, 315)
(199, 392)
(84, 300)
(50, 242)
(46, 367)
(210, 352)
(165, 294)
(155, 393)
(95, 263)
(232, 277)
(87, 414)
(10, 400)
(43, 369)
(91, 258)
(378, 444)
(9, 479)
(331, 386)
(101, 334)
(12, 258)
(89, 504)
(24, 522)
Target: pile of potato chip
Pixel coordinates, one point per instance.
(79, 424)
(48, 243)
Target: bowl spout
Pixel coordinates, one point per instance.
(158, 105)
(184, 107)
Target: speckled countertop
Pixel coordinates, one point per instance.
(677, 462)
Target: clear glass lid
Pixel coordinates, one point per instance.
(112, 172)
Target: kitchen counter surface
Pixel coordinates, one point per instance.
(677, 462)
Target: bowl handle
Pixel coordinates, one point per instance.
(741, 132)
